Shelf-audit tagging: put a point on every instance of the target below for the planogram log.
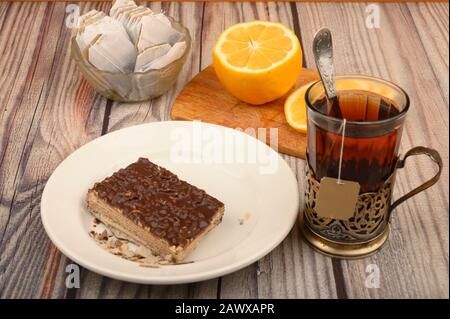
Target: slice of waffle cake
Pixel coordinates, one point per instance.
(151, 206)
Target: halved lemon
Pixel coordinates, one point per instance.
(295, 109)
(257, 61)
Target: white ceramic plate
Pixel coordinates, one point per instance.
(250, 178)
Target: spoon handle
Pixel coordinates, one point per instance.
(323, 55)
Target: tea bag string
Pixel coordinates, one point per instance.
(341, 153)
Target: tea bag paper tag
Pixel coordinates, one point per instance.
(337, 198)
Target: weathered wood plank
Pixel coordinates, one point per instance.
(10, 92)
(4, 7)
(431, 21)
(415, 261)
(49, 111)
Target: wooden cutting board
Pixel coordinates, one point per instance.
(204, 98)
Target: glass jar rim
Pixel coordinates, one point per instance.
(323, 116)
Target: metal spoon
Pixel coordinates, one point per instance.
(323, 55)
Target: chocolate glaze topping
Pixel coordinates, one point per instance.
(154, 197)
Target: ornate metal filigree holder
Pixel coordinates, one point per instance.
(368, 229)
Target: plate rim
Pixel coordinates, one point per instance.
(171, 279)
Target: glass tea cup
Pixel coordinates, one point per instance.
(356, 139)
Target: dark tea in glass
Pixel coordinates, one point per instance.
(366, 158)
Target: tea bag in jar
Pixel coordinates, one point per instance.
(135, 17)
(155, 30)
(89, 17)
(84, 21)
(118, 61)
(120, 5)
(113, 52)
(146, 57)
(175, 52)
(104, 25)
(158, 56)
(161, 17)
(99, 77)
(133, 24)
(124, 15)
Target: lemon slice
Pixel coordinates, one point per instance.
(257, 61)
(295, 108)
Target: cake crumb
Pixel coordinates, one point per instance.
(144, 252)
(246, 217)
(104, 235)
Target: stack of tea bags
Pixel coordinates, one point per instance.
(131, 39)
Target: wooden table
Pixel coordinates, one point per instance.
(48, 111)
